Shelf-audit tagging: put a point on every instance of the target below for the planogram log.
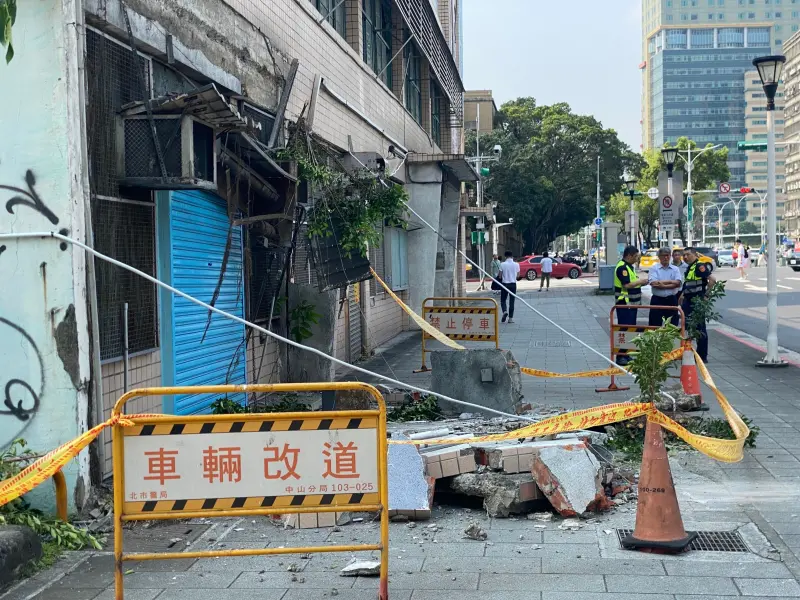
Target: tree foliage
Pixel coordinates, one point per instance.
(708, 169)
(8, 15)
(546, 177)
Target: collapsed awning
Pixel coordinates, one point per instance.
(206, 104)
(456, 164)
(254, 155)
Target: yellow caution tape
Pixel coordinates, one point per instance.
(427, 327)
(48, 465)
(668, 357)
(722, 450)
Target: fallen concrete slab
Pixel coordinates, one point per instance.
(489, 377)
(513, 457)
(451, 461)
(409, 488)
(571, 479)
(503, 495)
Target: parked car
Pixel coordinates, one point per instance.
(530, 267)
(648, 260)
(793, 260)
(725, 258)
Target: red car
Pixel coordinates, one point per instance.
(530, 267)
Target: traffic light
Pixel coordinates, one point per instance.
(746, 190)
(752, 146)
(602, 212)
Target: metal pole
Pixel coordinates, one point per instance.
(719, 225)
(704, 226)
(736, 218)
(669, 193)
(771, 359)
(597, 215)
(688, 195)
(631, 235)
(761, 210)
(125, 348)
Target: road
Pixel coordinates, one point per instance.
(745, 304)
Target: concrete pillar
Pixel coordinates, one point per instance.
(445, 284)
(398, 64)
(425, 89)
(425, 197)
(355, 26)
(44, 325)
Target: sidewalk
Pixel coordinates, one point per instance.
(522, 559)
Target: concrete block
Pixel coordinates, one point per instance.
(511, 464)
(458, 374)
(450, 467)
(495, 455)
(466, 462)
(18, 546)
(570, 478)
(326, 519)
(433, 468)
(503, 495)
(408, 484)
(308, 520)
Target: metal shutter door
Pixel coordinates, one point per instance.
(199, 230)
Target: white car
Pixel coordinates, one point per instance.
(726, 259)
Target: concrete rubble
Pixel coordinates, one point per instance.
(362, 568)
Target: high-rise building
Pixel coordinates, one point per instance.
(694, 56)
(479, 102)
(755, 120)
(791, 78)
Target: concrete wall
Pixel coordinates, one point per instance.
(445, 284)
(44, 342)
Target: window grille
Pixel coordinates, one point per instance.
(376, 18)
(413, 88)
(334, 13)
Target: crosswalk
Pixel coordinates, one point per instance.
(750, 286)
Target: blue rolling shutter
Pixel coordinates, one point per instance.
(198, 233)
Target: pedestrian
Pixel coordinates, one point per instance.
(677, 260)
(741, 257)
(696, 284)
(509, 273)
(547, 270)
(762, 255)
(627, 293)
(665, 281)
(495, 273)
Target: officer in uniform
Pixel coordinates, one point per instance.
(696, 283)
(627, 292)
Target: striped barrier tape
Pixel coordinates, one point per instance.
(668, 357)
(729, 451)
(423, 324)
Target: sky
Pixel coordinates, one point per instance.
(583, 52)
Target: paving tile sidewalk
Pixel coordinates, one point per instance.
(524, 560)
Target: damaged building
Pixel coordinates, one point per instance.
(153, 132)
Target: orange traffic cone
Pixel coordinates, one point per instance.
(690, 379)
(659, 527)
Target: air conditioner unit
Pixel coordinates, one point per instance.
(187, 144)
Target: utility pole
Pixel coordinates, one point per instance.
(481, 223)
(597, 215)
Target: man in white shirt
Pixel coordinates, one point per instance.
(677, 260)
(665, 282)
(547, 270)
(509, 272)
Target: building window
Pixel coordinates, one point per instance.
(694, 17)
(684, 17)
(758, 37)
(413, 87)
(778, 15)
(377, 22)
(721, 16)
(751, 15)
(730, 37)
(710, 16)
(334, 13)
(437, 104)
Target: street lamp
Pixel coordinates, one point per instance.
(630, 183)
(689, 201)
(769, 69)
(670, 154)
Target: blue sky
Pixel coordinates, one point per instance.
(584, 52)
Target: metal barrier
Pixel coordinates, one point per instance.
(183, 467)
(621, 337)
(470, 323)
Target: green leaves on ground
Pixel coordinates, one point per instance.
(424, 409)
(8, 16)
(285, 403)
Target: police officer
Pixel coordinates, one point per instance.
(627, 292)
(696, 283)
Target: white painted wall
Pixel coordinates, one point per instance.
(44, 344)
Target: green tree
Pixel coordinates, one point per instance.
(545, 178)
(708, 169)
(8, 15)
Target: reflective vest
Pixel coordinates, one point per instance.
(693, 284)
(623, 295)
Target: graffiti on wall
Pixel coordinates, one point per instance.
(30, 198)
(20, 392)
(22, 373)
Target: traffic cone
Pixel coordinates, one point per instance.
(690, 380)
(659, 527)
